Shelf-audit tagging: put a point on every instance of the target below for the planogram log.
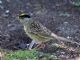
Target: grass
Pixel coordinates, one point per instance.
(29, 55)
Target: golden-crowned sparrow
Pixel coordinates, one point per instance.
(36, 31)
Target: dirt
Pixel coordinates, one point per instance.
(60, 16)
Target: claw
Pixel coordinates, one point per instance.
(40, 46)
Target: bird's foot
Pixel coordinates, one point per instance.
(40, 46)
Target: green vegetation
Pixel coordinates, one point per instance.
(29, 55)
(76, 3)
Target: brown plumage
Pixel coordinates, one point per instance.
(36, 31)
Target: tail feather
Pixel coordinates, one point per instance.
(64, 39)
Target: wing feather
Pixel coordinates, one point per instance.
(38, 29)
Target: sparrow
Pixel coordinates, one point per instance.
(36, 31)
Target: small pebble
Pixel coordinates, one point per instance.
(6, 14)
(0, 2)
(68, 37)
(62, 56)
(62, 52)
(65, 22)
(7, 11)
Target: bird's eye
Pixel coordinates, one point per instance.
(22, 16)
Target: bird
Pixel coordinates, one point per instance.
(38, 32)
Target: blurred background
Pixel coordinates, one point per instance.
(60, 16)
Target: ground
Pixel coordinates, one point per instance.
(60, 16)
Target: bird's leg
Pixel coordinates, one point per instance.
(40, 46)
(31, 44)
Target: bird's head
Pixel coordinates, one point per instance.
(24, 17)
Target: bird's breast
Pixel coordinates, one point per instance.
(34, 36)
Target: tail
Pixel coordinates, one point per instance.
(63, 39)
